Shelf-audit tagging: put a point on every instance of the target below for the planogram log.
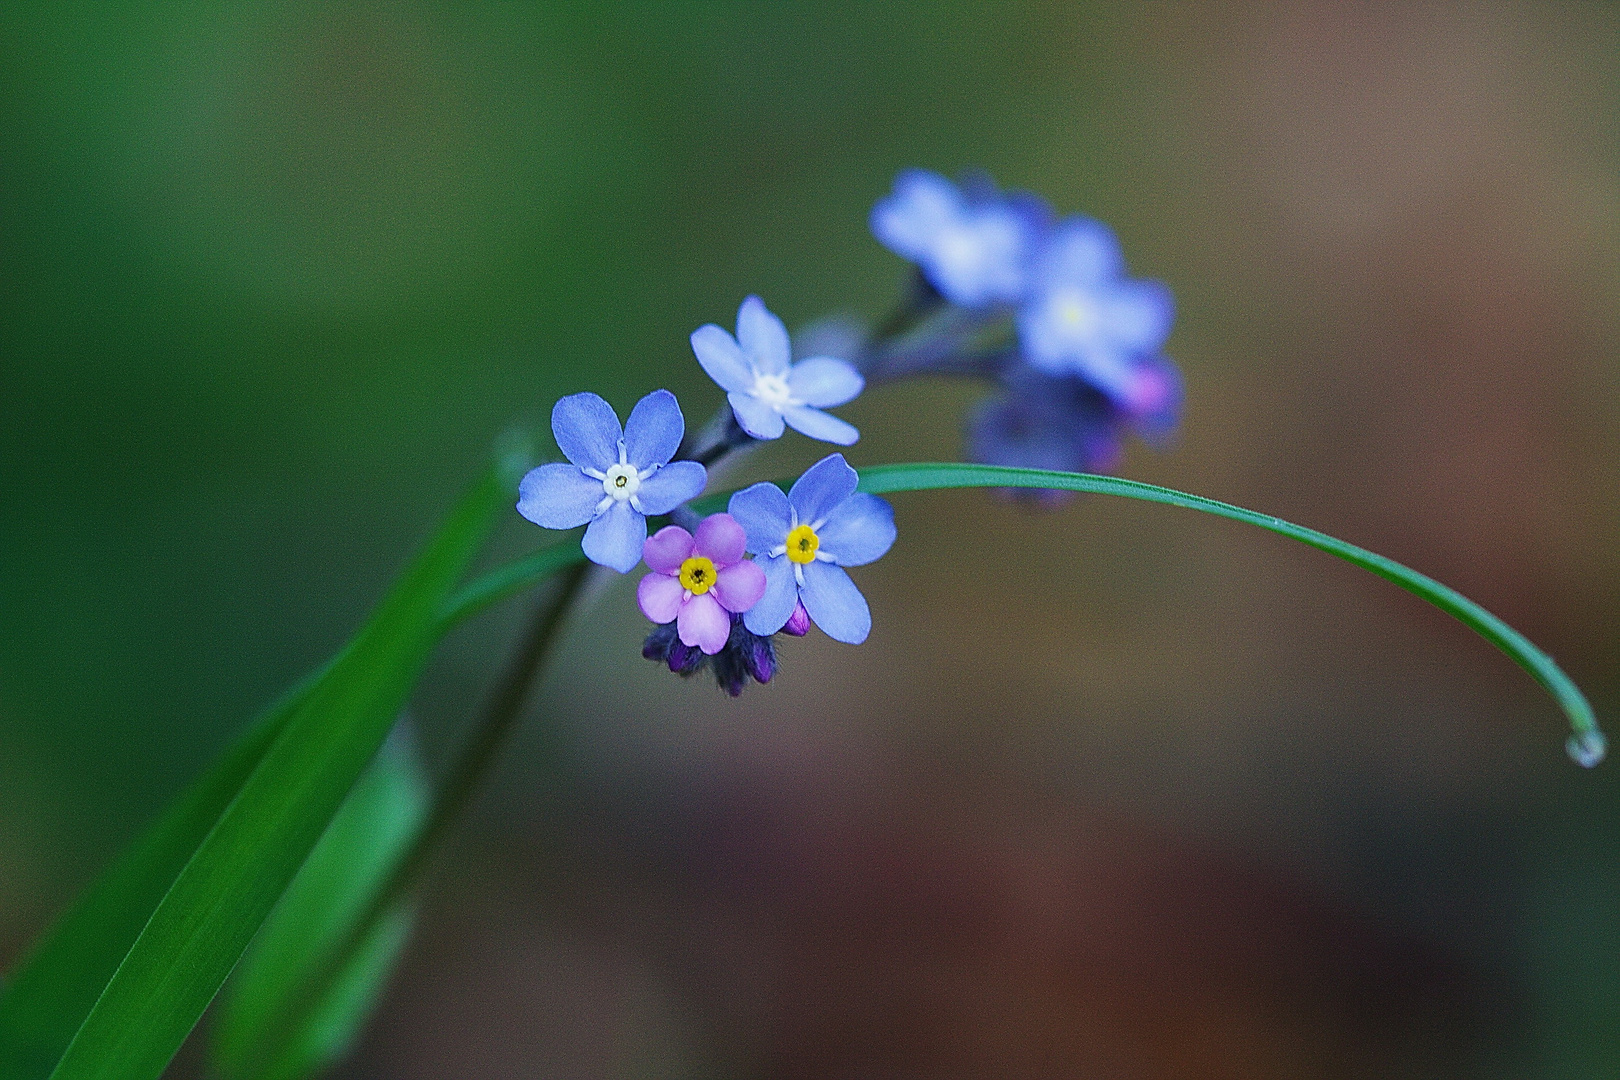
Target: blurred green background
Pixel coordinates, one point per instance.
(1112, 791)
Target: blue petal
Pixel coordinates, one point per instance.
(763, 338)
(823, 381)
(587, 431)
(757, 418)
(615, 538)
(820, 425)
(1138, 314)
(1081, 251)
(858, 531)
(909, 221)
(675, 483)
(781, 594)
(822, 487)
(717, 351)
(834, 603)
(762, 510)
(653, 432)
(763, 514)
(984, 260)
(558, 496)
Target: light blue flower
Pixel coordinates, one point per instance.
(617, 477)
(972, 245)
(765, 388)
(804, 539)
(1084, 317)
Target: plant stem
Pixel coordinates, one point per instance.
(500, 715)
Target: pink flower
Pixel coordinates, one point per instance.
(697, 580)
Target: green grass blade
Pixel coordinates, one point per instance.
(1586, 744)
(328, 965)
(509, 580)
(263, 1026)
(53, 988)
(217, 902)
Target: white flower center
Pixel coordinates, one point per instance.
(773, 391)
(621, 482)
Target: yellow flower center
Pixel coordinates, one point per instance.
(1076, 311)
(697, 575)
(802, 544)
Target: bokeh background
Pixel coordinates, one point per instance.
(1115, 791)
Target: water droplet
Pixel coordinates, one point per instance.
(1587, 748)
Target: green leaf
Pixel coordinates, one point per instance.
(54, 986)
(328, 965)
(264, 1026)
(218, 900)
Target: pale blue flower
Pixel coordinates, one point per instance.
(617, 477)
(973, 244)
(766, 389)
(1084, 317)
(804, 539)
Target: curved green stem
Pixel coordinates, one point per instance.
(1586, 745)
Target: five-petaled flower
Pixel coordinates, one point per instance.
(697, 580)
(1084, 317)
(973, 246)
(765, 388)
(617, 477)
(803, 541)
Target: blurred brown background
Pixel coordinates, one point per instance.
(1117, 791)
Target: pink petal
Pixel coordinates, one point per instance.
(666, 549)
(704, 623)
(721, 539)
(739, 587)
(660, 597)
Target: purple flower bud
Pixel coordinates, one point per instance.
(664, 645)
(798, 623)
(760, 658)
(684, 659)
(746, 656)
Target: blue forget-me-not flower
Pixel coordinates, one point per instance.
(1083, 316)
(972, 245)
(765, 388)
(804, 539)
(616, 477)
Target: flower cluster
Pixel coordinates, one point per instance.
(1083, 367)
(712, 603)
